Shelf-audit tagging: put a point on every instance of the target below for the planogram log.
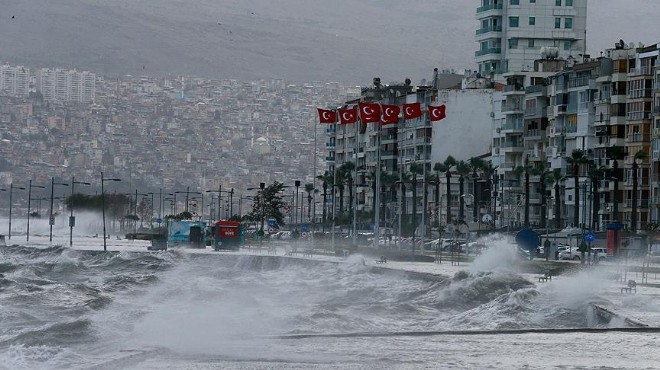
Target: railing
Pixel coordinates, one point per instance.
(542, 112)
(516, 87)
(512, 127)
(488, 7)
(638, 116)
(603, 117)
(330, 158)
(533, 133)
(641, 203)
(641, 71)
(640, 93)
(512, 107)
(578, 81)
(489, 29)
(487, 51)
(329, 145)
(534, 89)
(636, 138)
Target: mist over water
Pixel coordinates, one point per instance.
(62, 308)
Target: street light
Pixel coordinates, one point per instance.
(231, 199)
(261, 188)
(30, 186)
(11, 190)
(103, 180)
(51, 219)
(72, 220)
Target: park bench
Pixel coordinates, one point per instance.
(308, 253)
(272, 250)
(630, 287)
(382, 259)
(545, 277)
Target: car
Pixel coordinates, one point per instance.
(572, 253)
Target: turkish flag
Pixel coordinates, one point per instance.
(390, 113)
(347, 116)
(369, 112)
(437, 113)
(412, 111)
(327, 116)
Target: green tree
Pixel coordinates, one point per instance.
(346, 171)
(309, 189)
(616, 153)
(268, 204)
(525, 170)
(463, 170)
(576, 159)
(446, 167)
(544, 173)
(596, 173)
(556, 177)
(415, 170)
(477, 165)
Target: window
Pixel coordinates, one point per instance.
(568, 23)
(557, 22)
(532, 1)
(568, 44)
(530, 43)
(558, 2)
(532, 21)
(513, 43)
(569, 2)
(513, 22)
(515, 2)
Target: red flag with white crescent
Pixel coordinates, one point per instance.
(437, 113)
(369, 112)
(347, 116)
(412, 111)
(327, 116)
(390, 113)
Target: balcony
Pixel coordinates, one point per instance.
(329, 145)
(641, 203)
(536, 89)
(487, 8)
(513, 109)
(638, 138)
(511, 147)
(330, 131)
(536, 112)
(641, 71)
(489, 29)
(512, 128)
(487, 51)
(330, 158)
(638, 116)
(640, 94)
(514, 90)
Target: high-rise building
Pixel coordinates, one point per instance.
(59, 85)
(14, 80)
(512, 32)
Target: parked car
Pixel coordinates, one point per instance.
(572, 253)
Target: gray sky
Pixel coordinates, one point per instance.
(298, 40)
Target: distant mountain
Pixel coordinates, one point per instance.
(298, 40)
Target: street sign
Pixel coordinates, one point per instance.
(589, 237)
(72, 221)
(51, 221)
(160, 220)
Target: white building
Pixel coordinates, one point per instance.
(59, 85)
(512, 32)
(14, 80)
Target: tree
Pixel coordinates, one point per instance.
(415, 169)
(268, 204)
(595, 174)
(463, 170)
(346, 170)
(616, 153)
(327, 179)
(543, 172)
(490, 173)
(525, 169)
(556, 177)
(640, 155)
(447, 165)
(476, 165)
(576, 159)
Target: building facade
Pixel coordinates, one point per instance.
(59, 85)
(512, 32)
(14, 80)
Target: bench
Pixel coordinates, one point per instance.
(382, 259)
(630, 287)
(272, 250)
(545, 277)
(308, 253)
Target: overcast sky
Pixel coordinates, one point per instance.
(328, 40)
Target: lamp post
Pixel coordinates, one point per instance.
(72, 220)
(103, 180)
(30, 186)
(296, 202)
(51, 218)
(261, 188)
(11, 191)
(231, 200)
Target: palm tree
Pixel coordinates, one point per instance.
(639, 155)
(526, 170)
(388, 181)
(327, 179)
(477, 165)
(616, 153)
(556, 177)
(347, 173)
(438, 167)
(595, 174)
(463, 170)
(415, 169)
(543, 172)
(576, 159)
(447, 165)
(490, 173)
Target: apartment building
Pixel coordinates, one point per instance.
(14, 80)
(59, 85)
(512, 32)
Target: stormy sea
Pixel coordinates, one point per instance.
(64, 308)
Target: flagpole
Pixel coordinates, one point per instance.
(357, 147)
(315, 157)
(377, 195)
